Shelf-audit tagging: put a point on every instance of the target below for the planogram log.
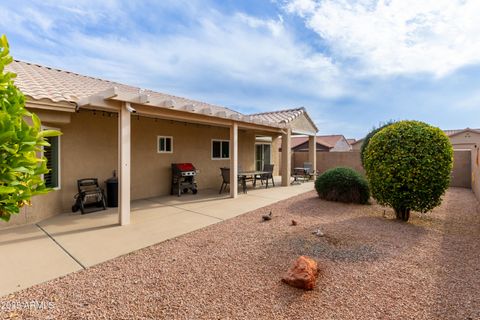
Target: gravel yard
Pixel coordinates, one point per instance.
(373, 267)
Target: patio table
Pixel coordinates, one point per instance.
(244, 175)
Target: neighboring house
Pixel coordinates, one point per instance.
(328, 143)
(300, 144)
(464, 139)
(336, 143)
(357, 145)
(109, 126)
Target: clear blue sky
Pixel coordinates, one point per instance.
(352, 64)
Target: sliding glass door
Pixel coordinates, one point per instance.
(263, 155)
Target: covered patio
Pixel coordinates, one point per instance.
(71, 242)
(138, 134)
(273, 125)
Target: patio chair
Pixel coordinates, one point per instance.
(89, 195)
(309, 172)
(266, 176)
(226, 181)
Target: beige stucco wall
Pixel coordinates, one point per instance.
(151, 171)
(328, 160)
(357, 145)
(89, 149)
(460, 176)
(476, 172)
(466, 140)
(461, 172)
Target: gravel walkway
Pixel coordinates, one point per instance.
(373, 268)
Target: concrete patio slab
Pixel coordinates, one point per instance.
(29, 257)
(223, 209)
(107, 240)
(68, 242)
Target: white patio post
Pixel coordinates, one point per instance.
(312, 153)
(124, 132)
(234, 160)
(286, 157)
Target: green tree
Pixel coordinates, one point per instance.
(408, 166)
(21, 160)
(367, 138)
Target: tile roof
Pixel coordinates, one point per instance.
(40, 82)
(284, 116)
(358, 141)
(456, 131)
(328, 141)
(296, 141)
(281, 116)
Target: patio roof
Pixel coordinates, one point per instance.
(287, 116)
(61, 90)
(52, 89)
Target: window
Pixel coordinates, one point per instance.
(52, 154)
(220, 149)
(164, 144)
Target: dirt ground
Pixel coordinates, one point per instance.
(373, 267)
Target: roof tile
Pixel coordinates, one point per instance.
(40, 82)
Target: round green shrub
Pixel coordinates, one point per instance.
(408, 166)
(343, 185)
(367, 138)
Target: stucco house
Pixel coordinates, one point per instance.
(357, 145)
(464, 139)
(109, 126)
(324, 143)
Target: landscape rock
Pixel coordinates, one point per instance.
(302, 274)
(318, 233)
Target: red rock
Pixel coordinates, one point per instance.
(303, 273)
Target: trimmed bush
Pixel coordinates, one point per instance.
(408, 166)
(369, 136)
(343, 185)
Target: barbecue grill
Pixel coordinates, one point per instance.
(183, 178)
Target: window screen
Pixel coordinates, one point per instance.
(51, 153)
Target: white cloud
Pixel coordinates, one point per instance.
(234, 48)
(397, 36)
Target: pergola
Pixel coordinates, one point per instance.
(127, 102)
